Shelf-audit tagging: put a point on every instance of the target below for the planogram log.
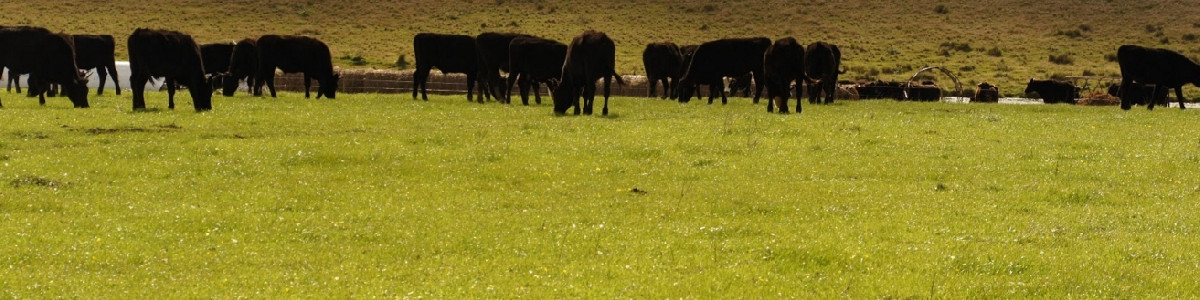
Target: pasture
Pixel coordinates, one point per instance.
(381, 196)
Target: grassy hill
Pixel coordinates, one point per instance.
(1005, 42)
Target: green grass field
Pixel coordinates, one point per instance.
(382, 196)
(1004, 42)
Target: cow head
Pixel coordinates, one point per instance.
(566, 96)
(329, 86)
(77, 91)
(201, 96)
(1030, 87)
(229, 85)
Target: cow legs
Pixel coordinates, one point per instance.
(470, 86)
(307, 85)
(830, 87)
(589, 97)
(170, 82)
(759, 81)
(112, 71)
(1179, 95)
(138, 85)
(419, 80)
(271, 84)
(607, 81)
(103, 74)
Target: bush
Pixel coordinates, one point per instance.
(1110, 57)
(1191, 37)
(1075, 34)
(941, 9)
(402, 63)
(995, 51)
(1064, 59)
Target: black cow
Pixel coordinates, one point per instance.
(243, 64)
(783, 63)
(727, 57)
(822, 64)
(96, 52)
(923, 91)
(715, 87)
(664, 62)
(590, 56)
(533, 61)
(493, 58)
(987, 93)
(170, 54)
(448, 53)
(1160, 67)
(48, 58)
(14, 79)
(880, 90)
(1053, 91)
(1142, 94)
(216, 62)
(296, 54)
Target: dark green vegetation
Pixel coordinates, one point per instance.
(371, 195)
(1003, 42)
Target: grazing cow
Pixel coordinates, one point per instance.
(170, 54)
(48, 58)
(96, 52)
(822, 64)
(783, 63)
(664, 62)
(216, 62)
(688, 52)
(533, 61)
(243, 64)
(1160, 67)
(1053, 91)
(1142, 94)
(590, 56)
(296, 54)
(493, 58)
(986, 92)
(448, 53)
(726, 57)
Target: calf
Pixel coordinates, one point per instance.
(987, 93)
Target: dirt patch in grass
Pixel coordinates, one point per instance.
(155, 128)
(34, 181)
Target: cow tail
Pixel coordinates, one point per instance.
(619, 80)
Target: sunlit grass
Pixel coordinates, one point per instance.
(380, 195)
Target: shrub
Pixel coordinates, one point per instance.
(995, 51)
(941, 9)
(1110, 57)
(1191, 37)
(967, 68)
(1085, 27)
(1064, 59)
(402, 62)
(1075, 34)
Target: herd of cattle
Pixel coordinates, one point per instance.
(52, 59)
(570, 71)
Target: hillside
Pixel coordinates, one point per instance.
(1005, 42)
